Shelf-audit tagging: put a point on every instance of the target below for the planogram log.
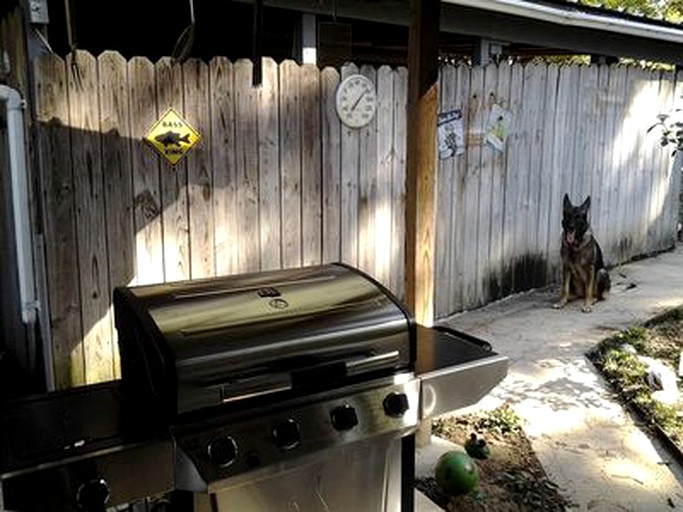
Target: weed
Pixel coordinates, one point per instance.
(502, 419)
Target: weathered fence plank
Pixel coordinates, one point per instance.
(367, 187)
(174, 200)
(311, 179)
(515, 186)
(668, 191)
(459, 242)
(534, 103)
(600, 198)
(647, 143)
(59, 220)
(226, 237)
(494, 272)
(118, 177)
(331, 168)
(268, 166)
(398, 192)
(446, 195)
(485, 171)
(350, 150)
(475, 133)
(549, 239)
(86, 148)
(200, 185)
(615, 181)
(246, 165)
(385, 158)
(290, 163)
(147, 218)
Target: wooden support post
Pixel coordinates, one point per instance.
(421, 159)
(423, 73)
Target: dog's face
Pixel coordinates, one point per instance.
(574, 220)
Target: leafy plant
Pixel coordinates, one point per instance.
(502, 419)
(671, 126)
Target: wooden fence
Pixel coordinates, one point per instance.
(580, 130)
(276, 181)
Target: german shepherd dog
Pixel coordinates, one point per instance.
(583, 270)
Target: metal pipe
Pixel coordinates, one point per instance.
(565, 16)
(14, 106)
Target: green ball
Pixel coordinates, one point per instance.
(456, 473)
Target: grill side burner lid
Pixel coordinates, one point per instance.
(192, 345)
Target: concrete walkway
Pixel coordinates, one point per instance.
(582, 436)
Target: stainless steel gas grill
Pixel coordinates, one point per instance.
(191, 346)
(288, 390)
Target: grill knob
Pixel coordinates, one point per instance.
(222, 451)
(287, 435)
(93, 496)
(344, 417)
(396, 404)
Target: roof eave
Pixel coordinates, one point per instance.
(571, 17)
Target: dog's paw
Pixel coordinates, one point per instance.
(559, 305)
(586, 308)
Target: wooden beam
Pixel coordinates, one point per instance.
(421, 159)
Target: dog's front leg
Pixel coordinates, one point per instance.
(589, 299)
(564, 291)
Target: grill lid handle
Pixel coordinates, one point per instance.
(372, 363)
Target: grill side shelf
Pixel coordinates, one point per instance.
(455, 370)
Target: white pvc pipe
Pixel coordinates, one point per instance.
(22, 226)
(577, 18)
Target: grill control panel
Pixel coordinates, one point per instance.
(233, 447)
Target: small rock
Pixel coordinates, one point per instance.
(627, 347)
(661, 379)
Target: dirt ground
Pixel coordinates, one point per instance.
(510, 480)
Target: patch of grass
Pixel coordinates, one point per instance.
(502, 420)
(660, 338)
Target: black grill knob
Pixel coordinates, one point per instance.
(93, 496)
(344, 417)
(222, 451)
(396, 404)
(287, 435)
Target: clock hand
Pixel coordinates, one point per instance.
(353, 107)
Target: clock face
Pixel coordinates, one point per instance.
(356, 101)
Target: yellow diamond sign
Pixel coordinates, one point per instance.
(172, 137)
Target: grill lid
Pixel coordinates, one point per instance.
(198, 344)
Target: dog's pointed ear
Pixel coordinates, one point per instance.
(586, 205)
(566, 203)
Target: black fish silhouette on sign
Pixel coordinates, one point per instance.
(171, 138)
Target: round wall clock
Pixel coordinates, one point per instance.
(356, 101)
